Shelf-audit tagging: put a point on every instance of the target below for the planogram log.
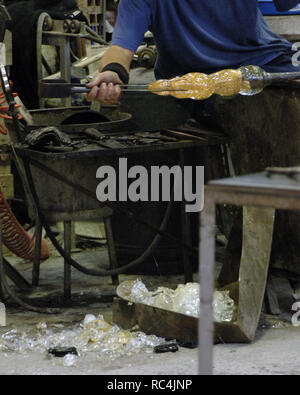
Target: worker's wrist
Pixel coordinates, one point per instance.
(119, 69)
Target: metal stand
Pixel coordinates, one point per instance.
(58, 39)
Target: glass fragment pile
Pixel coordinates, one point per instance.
(93, 334)
(184, 299)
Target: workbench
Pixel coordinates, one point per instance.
(70, 177)
(261, 190)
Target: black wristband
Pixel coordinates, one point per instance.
(119, 69)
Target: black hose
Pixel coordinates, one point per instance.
(77, 265)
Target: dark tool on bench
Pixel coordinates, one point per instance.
(103, 140)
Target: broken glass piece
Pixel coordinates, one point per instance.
(185, 299)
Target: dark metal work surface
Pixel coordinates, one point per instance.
(266, 192)
(118, 144)
(95, 149)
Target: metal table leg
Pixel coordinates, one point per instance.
(185, 226)
(37, 253)
(206, 271)
(67, 266)
(185, 231)
(111, 249)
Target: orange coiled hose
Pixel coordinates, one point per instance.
(15, 238)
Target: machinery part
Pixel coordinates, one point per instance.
(67, 25)
(75, 26)
(147, 57)
(48, 23)
(39, 34)
(15, 238)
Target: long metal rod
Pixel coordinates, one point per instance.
(60, 89)
(278, 77)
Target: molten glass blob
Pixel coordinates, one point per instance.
(196, 86)
(227, 82)
(247, 80)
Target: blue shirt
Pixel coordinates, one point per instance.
(200, 35)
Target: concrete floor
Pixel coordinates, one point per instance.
(274, 351)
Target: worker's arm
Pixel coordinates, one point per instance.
(134, 19)
(105, 87)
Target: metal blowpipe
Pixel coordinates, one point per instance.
(256, 79)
